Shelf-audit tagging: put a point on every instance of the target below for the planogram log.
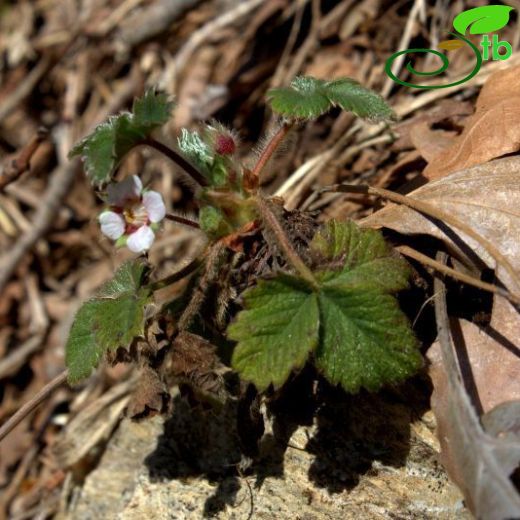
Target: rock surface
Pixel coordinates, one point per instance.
(355, 457)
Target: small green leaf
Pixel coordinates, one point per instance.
(351, 256)
(103, 149)
(308, 98)
(112, 319)
(304, 99)
(196, 150)
(363, 102)
(365, 339)
(200, 151)
(276, 332)
(97, 152)
(484, 19)
(152, 110)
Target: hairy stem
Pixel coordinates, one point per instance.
(269, 150)
(32, 404)
(182, 220)
(175, 277)
(212, 259)
(290, 253)
(177, 159)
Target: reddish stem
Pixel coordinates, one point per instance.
(269, 150)
(182, 220)
(178, 159)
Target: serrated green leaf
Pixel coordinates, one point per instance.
(363, 102)
(308, 98)
(97, 152)
(304, 98)
(103, 149)
(276, 332)
(365, 339)
(112, 319)
(352, 256)
(152, 110)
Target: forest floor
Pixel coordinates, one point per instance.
(67, 65)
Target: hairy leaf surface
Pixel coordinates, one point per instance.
(276, 332)
(358, 258)
(309, 98)
(365, 339)
(112, 319)
(359, 336)
(103, 149)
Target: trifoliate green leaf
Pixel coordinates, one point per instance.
(351, 256)
(308, 98)
(276, 332)
(103, 149)
(365, 339)
(112, 319)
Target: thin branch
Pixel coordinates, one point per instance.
(177, 159)
(269, 150)
(429, 209)
(292, 256)
(32, 404)
(182, 220)
(457, 275)
(21, 162)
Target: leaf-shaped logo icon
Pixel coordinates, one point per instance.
(486, 19)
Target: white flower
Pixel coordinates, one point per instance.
(133, 214)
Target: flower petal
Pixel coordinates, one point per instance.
(112, 224)
(153, 202)
(127, 190)
(141, 240)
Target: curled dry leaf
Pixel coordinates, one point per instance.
(150, 396)
(485, 197)
(194, 361)
(480, 461)
(493, 131)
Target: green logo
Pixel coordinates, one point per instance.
(480, 20)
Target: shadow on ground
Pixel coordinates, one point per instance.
(349, 434)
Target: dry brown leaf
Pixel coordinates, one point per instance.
(430, 143)
(480, 460)
(484, 197)
(490, 357)
(450, 110)
(150, 396)
(493, 131)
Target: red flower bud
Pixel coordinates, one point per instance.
(224, 144)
